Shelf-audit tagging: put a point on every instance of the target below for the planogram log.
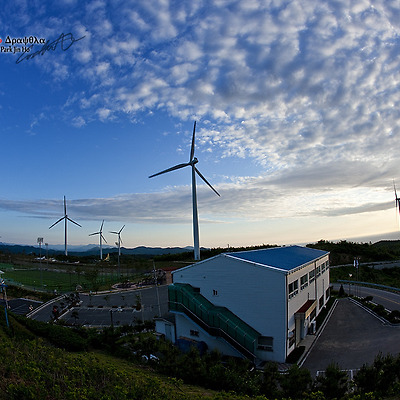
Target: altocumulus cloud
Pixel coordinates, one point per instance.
(309, 90)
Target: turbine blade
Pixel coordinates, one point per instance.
(70, 220)
(92, 234)
(121, 229)
(55, 223)
(65, 207)
(101, 228)
(103, 237)
(170, 169)
(114, 232)
(395, 193)
(205, 180)
(192, 148)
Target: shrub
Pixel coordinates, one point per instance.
(334, 384)
(65, 338)
(295, 382)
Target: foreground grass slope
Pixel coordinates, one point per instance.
(33, 369)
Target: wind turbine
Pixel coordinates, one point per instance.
(192, 162)
(66, 219)
(397, 199)
(101, 237)
(119, 245)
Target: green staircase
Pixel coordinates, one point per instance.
(217, 321)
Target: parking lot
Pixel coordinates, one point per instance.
(119, 308)
(353, 336)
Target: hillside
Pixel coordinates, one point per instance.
(90, 250)
(344, 252)
(33, 369)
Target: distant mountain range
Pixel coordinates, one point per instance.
(90, 249)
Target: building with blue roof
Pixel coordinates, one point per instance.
(258, 304)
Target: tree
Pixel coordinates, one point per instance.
(382, 377)
(295, 382)
(75, 315)
(334, 384)
(269, 385)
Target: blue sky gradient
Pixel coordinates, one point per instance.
(297, 107)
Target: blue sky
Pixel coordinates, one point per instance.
(297, 107)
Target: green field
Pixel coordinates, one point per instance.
(61, 280)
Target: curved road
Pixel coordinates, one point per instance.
(390, 300)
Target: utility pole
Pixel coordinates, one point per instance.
(40, 241)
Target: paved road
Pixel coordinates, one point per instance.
(389, 300)
(352, 337)
(95, 310)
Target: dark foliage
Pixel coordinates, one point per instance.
(334, 383)
(381, 378)
(343, 252)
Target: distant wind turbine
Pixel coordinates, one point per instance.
(397, 199)
(101, 238)
(66, 219)
(119, 245)
(192, 162)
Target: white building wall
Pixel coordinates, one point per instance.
(165, 328)
(313, 291)
(254, 293)
(185, 328)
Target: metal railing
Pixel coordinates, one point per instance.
(218, 321)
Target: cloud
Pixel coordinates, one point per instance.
(310, 92)
(246, 199)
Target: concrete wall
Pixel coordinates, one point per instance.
(186, 328)
(254, 293)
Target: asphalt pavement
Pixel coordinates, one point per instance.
(353, 336)
(102, 309)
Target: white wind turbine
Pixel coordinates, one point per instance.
(192, 162)
(66, 219)
(118, 244)
(101, 238)
(397, 199)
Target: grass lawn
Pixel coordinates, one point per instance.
(53, 279)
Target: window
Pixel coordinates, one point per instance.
(318, 271)
(328, 293)
(292, 337)
(215, 292)
(304, 281)
(321, 301)
(194, 333)
(293, 288)
(311, 276)
(323, 266)
(265, 343)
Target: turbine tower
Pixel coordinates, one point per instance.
(119, 246)
(101, 238)
(192, 162)
(66, 219)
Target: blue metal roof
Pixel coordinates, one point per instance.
(283, 258)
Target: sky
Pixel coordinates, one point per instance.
(297, 105)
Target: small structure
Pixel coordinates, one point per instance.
(257, 304)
